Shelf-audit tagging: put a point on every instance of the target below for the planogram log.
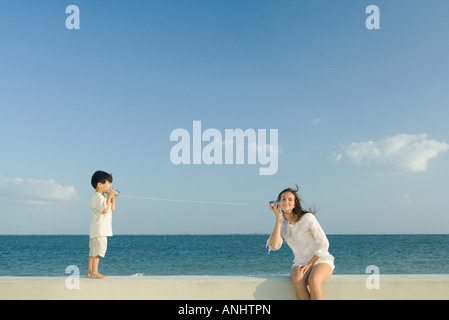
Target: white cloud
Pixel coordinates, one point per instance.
(408, 198)
(403, 152)
(35, 191)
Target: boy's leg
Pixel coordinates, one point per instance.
(89, 268)
(95, 274)
(90, 264)
(98, 247)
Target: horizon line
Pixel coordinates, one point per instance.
(218, 234)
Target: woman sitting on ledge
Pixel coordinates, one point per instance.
(300, 229)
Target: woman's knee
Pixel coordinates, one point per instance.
(318, 275)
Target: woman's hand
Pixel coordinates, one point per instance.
(304, 268)
(276, 209)
(275, 238)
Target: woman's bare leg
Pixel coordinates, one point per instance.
(299, 279)
(320, 272)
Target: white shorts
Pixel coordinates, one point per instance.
(329, 259)
(98, 246)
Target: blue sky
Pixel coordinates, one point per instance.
(361, 114)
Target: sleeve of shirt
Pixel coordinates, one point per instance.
(270, 248)
(322, 244)
(98, 204)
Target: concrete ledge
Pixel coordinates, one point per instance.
(338, 287)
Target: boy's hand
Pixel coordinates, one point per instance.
(111, 193)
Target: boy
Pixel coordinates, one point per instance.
(101, 226)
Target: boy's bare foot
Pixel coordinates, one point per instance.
(96, 276)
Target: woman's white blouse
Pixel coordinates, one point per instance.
(306, 238)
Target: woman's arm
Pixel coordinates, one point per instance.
(322, 243)
(275, 238)
(312, 261)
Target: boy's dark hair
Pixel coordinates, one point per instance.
(100, 177)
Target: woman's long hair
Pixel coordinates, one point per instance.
(298, 211)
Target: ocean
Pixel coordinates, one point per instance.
(218, 255)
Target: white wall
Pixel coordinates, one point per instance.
(222, 288)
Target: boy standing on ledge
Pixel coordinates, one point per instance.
(101, 226)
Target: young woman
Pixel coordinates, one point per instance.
(300, 229)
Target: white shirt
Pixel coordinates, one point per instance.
(306, 238)
(101, 225)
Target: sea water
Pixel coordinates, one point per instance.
(226, 255)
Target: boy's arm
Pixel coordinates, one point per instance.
(110, 203)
